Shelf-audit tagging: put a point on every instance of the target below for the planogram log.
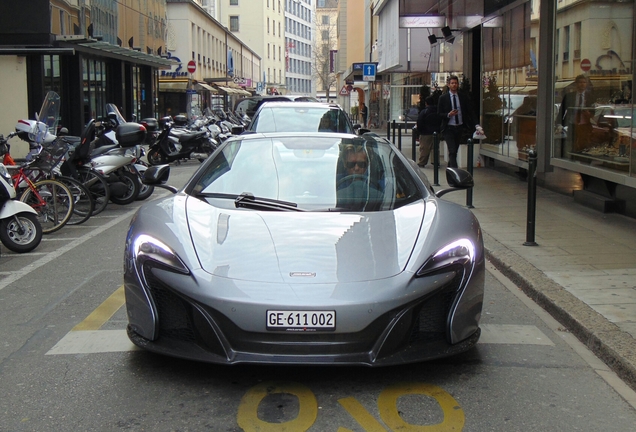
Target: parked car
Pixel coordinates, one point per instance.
(250, 105)
(612, 123)
(300, 117)
(410, 115)
(305, 248)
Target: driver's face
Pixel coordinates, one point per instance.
(357, 163)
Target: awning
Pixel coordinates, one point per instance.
(562, 84)
(97, 47)
(229, 90)
(173, 86)
(204, 86)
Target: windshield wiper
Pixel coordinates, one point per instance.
(248, 200)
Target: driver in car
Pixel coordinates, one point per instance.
(355, 187)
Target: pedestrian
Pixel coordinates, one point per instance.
(363, 113)
(457, 118)
(428, 122)
(575, 114)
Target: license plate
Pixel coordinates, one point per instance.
(300, 321)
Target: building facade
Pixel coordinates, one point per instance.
(89, 52)
(212, 66)
(520, 61)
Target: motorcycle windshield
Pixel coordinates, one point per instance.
(112, 109)
(47, 118)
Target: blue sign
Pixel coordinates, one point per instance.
(368, 72)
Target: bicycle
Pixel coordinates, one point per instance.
(51, 199)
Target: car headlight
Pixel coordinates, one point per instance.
(460, 252)
(146, 247)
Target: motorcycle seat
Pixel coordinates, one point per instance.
(103, 149)
(191, 136)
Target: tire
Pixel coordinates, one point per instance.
(17, 241)
(144, 191)
(53, 201)
(98, 187)
(133, 188)
(156, 157)
(83, 202)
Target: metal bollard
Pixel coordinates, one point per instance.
(532, 198)
(414, 135)
(469, 168)
(393, 139)
(388, 130)
(435, 159)
(400, 137)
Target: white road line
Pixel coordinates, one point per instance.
(594, 362)
(93, 341)
(104, 341)
(61, 251)
(513, 334)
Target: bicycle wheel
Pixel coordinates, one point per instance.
(83, 202)
(97, 185)
(53, 201)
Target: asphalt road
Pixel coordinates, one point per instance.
(66, 364)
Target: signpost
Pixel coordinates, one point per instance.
(586, 65)
(368, 72)
(192, 66)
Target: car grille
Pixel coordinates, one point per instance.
(431, 320)
(174, 318)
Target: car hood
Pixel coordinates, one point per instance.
(303, 247)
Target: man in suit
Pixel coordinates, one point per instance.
(457, 118)
(575, 113)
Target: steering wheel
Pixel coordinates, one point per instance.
(352, 178)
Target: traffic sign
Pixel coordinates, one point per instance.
(192, 66)
(586, 65)
(368, 72)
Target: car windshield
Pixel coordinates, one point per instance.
(292, 118)
(312, 173)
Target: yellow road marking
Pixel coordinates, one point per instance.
(361, 415)
(248, 408)
(454, 418)
(104, 312)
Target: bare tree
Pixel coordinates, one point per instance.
(324, 49)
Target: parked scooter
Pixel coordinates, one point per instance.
(112, 147)
(20, 230)
(176, 142)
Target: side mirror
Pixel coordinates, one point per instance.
(457, 179)
(157, 176)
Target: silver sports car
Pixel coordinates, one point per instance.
(305, 248)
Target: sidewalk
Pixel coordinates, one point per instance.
(582, 271)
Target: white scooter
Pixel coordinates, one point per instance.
(20, 230)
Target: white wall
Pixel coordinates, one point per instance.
(13, 99)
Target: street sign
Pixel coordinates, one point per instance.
(586, 65)
(344, 91)
(368, 72)
(192, 66)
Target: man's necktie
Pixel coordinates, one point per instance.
(579, 111)
(455, 107)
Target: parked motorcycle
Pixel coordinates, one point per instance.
(177, 142)
(20, 230)
(112, 147)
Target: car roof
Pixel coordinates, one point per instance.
(300, 104)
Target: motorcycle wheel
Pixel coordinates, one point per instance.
(156, 157)
(130, 180)
(98, 187)
(18, 240)
(144, 191)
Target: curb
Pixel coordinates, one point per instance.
(605, 339)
